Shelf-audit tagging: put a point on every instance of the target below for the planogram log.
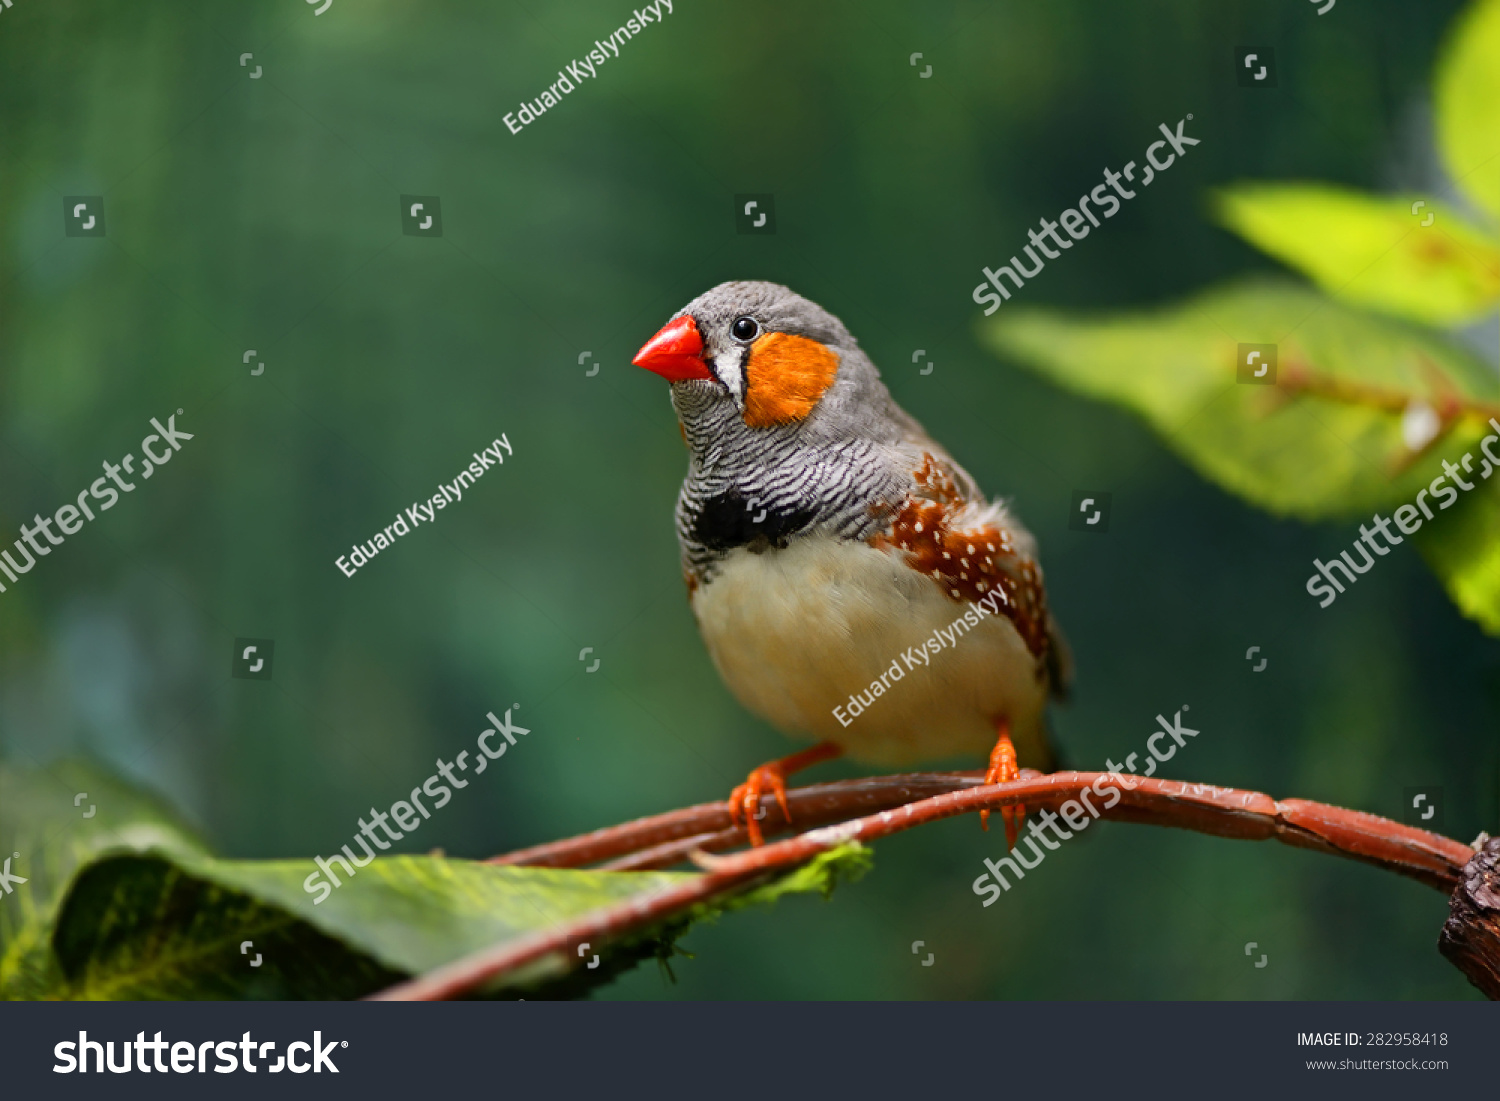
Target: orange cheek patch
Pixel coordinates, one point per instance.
(785, 377)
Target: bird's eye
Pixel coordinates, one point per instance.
(745, 329)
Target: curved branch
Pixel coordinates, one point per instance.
(1225, 812)
(663, 840)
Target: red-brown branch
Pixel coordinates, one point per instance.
(666, 839)
(1225, 812)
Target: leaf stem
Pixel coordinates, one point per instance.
(1299, 378)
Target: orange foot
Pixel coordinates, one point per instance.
(1003, 769)
(745, 799)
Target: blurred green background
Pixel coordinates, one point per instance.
(263, 214)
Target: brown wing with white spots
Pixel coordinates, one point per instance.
(971, 552)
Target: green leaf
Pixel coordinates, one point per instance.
(1464, 551)
(1467, 96)
(1375, 252)
(127, 904)
(48, 839)
(143, 926)
(1293, 452)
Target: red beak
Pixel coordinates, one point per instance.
(675, 353)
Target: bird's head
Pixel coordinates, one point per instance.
(765, 357)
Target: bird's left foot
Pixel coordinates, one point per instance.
(744, 801)
(1003, 769)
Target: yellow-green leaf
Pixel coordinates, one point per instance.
(1407, 256)
(1468, 105)
(1304, 452)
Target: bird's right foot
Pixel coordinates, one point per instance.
(744, 801)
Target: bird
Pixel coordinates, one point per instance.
(826, 536)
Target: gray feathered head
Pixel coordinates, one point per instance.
(764, 356)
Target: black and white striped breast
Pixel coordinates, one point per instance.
(777, 492)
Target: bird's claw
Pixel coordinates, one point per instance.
(744, 801)
(1002, 770)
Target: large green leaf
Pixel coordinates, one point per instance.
(133, 907)
(1303, 455)
(1376, 252)
(143, 926)
(1468, 105)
